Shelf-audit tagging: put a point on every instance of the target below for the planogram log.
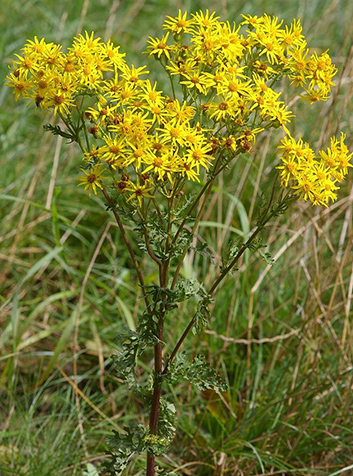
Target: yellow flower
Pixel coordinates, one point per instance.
(298, 61)
(250, 134)
(230, 41)
(193, 136)
(222, 100)
(227, 107)
(88, 74)
(310, 178)
(111, 52)
(159, 113)
(185, 68)
(139, 191)
(264, 69)
(159, 47)
(173, 132)
(52, 56)
(132, 75)
(271, 25)
(137, 154)
(235, 87)
(336, 158)
(197, 80)
(218, 80)
(291, 36)
(272, 49)
(197, 155)
(321, 198)
(102, 64)
(28, 63)
(157, 145)
(205, 46)
(229, 143)
(273, 109)
(289, 169)
(68, 84)
(92, 179)
(70, 64)
(126, 94)
(252, 20)
(329, 187)
(187, 169)
(60, 102)
(150, 95)
(178, 25)
(87, 43)
(131, 125)
(306, 187)
(313, 95)
(20, 82)
(204, 20)
(114, 151)
(321, 71)
(289, 145)
(162, 166)
(105, 111)
(281, 116)
(181, 113)
(111, 87)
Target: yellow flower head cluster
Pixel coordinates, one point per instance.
(222, 94)
(53, 79)
(312, 177)
(286, 49)
(233, 70)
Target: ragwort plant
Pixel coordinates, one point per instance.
(155, 157)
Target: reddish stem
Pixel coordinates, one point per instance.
(156, 398)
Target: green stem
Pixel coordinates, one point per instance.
(74, 131)
(158, 369)
(226, 271)
(158, 350)
(85, 130)
(206, 189)
(172, 83)
(194, 228)
(128, 245)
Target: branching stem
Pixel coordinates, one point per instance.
(128, 246)
(265, 219)
(157, 384)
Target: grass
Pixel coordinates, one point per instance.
(281, 336)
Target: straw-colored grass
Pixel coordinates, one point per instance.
(280, 335)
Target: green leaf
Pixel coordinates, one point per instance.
(202, 314)
(122, 446)
(57, 131)
(199, 372)
(125, 359)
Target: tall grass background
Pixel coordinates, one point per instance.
(280, 335)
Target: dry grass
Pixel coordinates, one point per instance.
(281, 335)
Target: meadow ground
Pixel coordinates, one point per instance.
(281, 336)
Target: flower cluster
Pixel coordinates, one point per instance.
(222, 94)
(312, 177)
(53, 79)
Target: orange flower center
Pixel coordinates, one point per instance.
(114, 149)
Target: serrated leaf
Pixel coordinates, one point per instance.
(122, 446)
(57, 131)
(199, 372)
